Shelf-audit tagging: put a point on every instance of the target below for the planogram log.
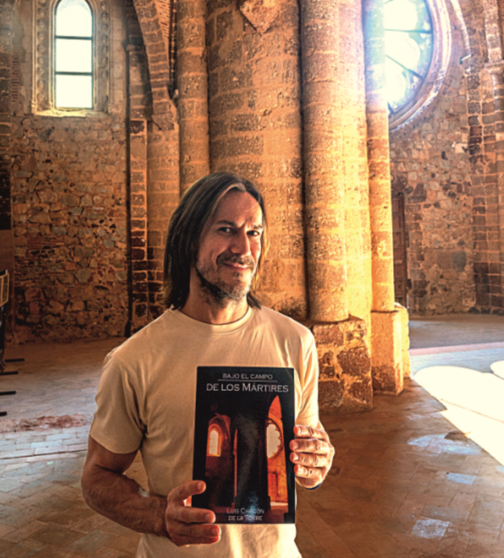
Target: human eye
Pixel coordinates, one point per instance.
(226, 230)
(255, 233)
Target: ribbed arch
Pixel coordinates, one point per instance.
(158, 61)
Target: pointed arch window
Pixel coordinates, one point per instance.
(214, 441)
(73, 55)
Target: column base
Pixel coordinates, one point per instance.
(345, 384)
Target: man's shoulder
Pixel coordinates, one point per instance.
(145, 340)
(282, 323)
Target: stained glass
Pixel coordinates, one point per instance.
(408, 46)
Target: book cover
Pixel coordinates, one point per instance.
(244, 424)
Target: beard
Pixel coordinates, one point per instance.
(217, 288)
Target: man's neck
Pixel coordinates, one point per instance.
(201, 308)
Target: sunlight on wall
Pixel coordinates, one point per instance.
(474, 402)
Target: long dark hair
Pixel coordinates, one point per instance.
(197, 205)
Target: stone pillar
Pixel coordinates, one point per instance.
(324, 191)
(386, 323)
(334, 138)
(256, 130)
(5, 117)
(193, 91)
(6, 232)
(139, 312)
(495, 199)
(163, 189)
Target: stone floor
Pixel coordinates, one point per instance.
(406, 482)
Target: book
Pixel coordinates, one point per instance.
(243, 427)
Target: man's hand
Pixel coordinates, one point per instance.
(185, 524)
(109, 492)
(312, 453)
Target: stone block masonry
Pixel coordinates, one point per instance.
(432, 165)
(137, 195)
(5, 117)
(345, 365)
(6, 244)
(163, 195)
(69, 193)
(193, 91)
(255, 131)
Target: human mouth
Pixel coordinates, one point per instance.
(237, 264)
(237, 267)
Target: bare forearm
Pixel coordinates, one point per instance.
(120, 498)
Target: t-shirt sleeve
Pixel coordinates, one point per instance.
(309, 412)
(117, 425)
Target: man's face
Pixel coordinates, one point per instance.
(230, 246)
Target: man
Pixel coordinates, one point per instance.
(146, 395)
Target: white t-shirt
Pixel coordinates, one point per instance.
(146, 401)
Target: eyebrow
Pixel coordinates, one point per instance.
(232, 224)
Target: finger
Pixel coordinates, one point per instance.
(186, 514)
(185, 490)
(199, 532)
(185, 535)
(309, 473)
(301, 431)
(311, 446)
(310, 459)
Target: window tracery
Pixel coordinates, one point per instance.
(408, 44)
(417, 45)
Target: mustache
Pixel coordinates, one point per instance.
(230, 258)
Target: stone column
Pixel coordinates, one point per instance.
(490, 272)
(139, 295)
(495, 198)
(334, 145)
(256, 130)
(193, 91)
(324, 191)
(386, 323)
(6, 232)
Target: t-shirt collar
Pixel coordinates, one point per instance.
(205, 328)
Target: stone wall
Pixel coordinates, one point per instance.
(446, 162)
(431, 166)
(69, 190)
(69, 194)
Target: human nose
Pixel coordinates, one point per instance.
(241, 244)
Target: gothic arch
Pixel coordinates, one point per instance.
(469, 14)
(156, 37)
